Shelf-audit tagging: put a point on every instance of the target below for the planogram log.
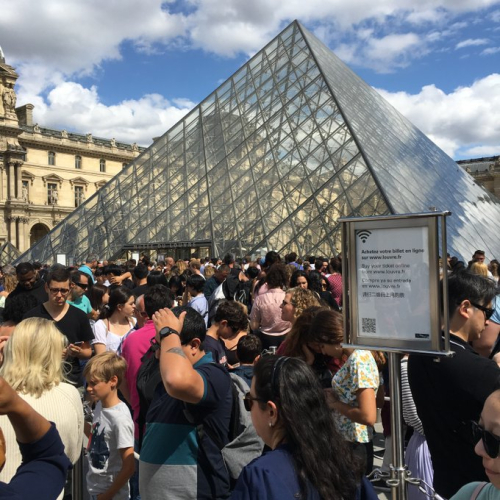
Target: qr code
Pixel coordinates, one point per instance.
(368, 325)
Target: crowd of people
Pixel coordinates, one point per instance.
(226, 378)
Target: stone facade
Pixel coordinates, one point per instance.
(45, 173)
(486, 172)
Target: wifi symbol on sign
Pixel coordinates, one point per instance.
(363, 235)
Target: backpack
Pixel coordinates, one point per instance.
(230, 289)
(148, 378)
(244, 445)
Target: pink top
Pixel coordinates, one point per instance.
(335, 281)
(266, 312)
(133, 349)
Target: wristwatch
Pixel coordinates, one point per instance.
(166, 331)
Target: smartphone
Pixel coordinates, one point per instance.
(78, 343)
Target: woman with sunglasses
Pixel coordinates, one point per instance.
(309, 458)
(486, 435)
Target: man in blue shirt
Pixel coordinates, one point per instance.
(195, 391)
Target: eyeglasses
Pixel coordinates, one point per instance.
(81, 285)
(248, 401)
(488, 311)
(491, 442)
(62, 291)
(324, 285)
(285, 303)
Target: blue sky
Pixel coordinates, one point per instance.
(130, 69)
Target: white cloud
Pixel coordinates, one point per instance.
(482, 151)
(456, 121)
(472, 42)
(79, 109)
(489, 51)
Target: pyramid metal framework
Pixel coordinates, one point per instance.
(272, 159)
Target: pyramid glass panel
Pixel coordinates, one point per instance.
(272, 159)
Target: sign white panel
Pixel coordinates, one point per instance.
(393, 283)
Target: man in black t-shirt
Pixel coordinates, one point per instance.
(450, 393)
(29, 283)
(70, 320)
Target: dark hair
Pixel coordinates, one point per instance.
(37, 265)
(77, 275)
(248, 348)
(113, 269)
(299, 333)
(479, 252)
(327, 327)
(315, 281)
(321, 456)
(336, 265)
(296, 275)
(223, 268)
(233, 313)
(157, 278)
(276, 276)
(292, 257)
(118, 296)
(141, 271)
(176, 281)
(60, 275)
(156, 298)
(24, 268)
(95, 295)
(467, 286)
(197, 282)
(272, 257)
(228, 259)
(194, 325)
(17, 306)
(252, 272)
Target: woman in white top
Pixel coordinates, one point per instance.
(34, 367)
(118, 321)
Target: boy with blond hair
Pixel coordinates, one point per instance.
(110, 451)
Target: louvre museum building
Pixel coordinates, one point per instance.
(272, 159)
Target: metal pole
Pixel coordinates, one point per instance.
(77, 485)
(398, 469)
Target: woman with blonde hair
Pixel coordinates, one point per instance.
(479, 268)
(34, 367)
(9, 283)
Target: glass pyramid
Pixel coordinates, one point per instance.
(272, 159)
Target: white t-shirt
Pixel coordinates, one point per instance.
(112, 430)
(112, 341)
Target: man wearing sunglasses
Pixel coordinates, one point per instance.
(451, 392)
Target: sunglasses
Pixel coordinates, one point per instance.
(491, 442)
(248, 401)
(62, 291)
(81, 285)
(488, 311)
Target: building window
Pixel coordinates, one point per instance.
(102, 165)
(78, 162)
(26, 191)
(52, 158)
(79, 196)
(52, 194)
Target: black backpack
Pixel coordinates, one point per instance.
(148, 378)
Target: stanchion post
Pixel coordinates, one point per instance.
(77, 479)
(398, 469)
